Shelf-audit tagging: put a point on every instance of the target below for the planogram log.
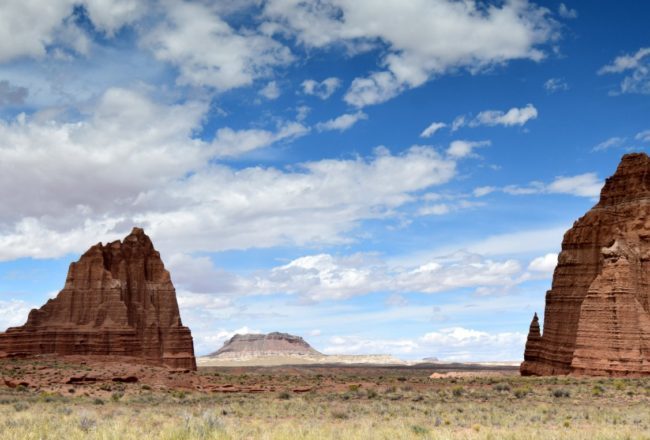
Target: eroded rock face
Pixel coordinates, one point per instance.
(118, 300)
(272, 344)
(597, 316)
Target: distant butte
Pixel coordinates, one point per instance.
(597, 315)
(118, 300)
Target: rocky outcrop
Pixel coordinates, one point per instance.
(118, 300)
(597, 315)
(259, 345)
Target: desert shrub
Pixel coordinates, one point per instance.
(146, 387)
(371, 393)
(522, 392)
(116, 396)
(501, 387)
(597, 390)
(401, 379)
(86, 423)
(284, 395)
(21, 406)
(340, 415)
(457, 391)
(354, 387)
(561, 392)
(98, 401)
(419, 430)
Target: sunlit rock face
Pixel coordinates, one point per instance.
(597, 315)
(118, 300)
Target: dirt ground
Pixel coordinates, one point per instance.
(98, 376)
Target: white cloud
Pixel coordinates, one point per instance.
(432, 129)
(323, 89)
(583, 185)
(613, 142)
(566, 12)
(514, 116)
(23, 35)
(13, 313)
(545, 264)
(459, 149)
(209, 52)
(462, 344)
(158, 178)
(458, 122)
(483, 191)
(424, 38)
(347, 345)
(638, 68)
(229, 142)
(326, 277)
(111, 15)
(342, 123)
(31, 28)
(553, 85)
(643, 136)
(271, 90)
(447, 344)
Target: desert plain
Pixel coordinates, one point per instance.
(102, 399)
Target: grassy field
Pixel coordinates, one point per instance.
(341, 404)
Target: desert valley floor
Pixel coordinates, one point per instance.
(74, 399)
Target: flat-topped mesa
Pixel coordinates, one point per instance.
(118, 300)
(272, 344)
(597, 314)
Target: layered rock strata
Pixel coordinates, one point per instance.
(597, 315)
(260, 345)
(118, 300)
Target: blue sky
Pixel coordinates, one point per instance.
(377, 179)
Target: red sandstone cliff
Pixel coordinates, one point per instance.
(597, 315)
(118, 299)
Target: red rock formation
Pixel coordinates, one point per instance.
(597, 316)
(118, 300)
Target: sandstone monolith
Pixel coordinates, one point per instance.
(118, 300)
(597, 314)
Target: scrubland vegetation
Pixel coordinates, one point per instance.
(366, 404)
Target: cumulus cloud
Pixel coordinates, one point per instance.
(459, 149)
(544, 264)
(637, 68)
(209, 52)
(141, 164)
(452, 344)
(566, 12)
(13, 313)
(514, 116)
(342, 123)
(432, 129)
(323, 89)
(581, 185)
(423, 38)
(323, 277)
(271, 90)
(553, 85)
(229, 142)
(31, 28)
